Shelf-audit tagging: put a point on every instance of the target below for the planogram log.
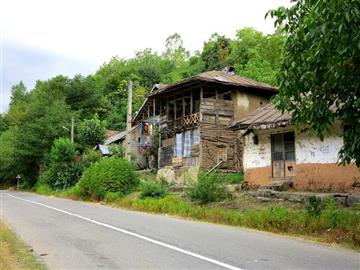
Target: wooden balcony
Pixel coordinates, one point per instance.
(187, 121)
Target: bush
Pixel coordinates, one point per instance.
(150, 189)
(63, 171)
(117, 151)
(90, 157)
(235, 178)
(62, 151)
(108, 175)
(314, 207)
(208, 188)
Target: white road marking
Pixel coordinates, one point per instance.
(156, 242)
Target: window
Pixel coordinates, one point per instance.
(283, 154)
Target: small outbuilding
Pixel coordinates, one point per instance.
(275, 151)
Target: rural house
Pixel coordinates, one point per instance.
(275, 152)
(193, 118)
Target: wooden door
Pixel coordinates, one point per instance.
(283, 155)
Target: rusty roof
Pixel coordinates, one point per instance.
(264, 117)
(221, 77)
(110, 133)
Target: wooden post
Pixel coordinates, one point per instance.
(159, 149)
(18, 177)
(183, 107)
(154, 107)
(175, 109)
(167, 109)
(128, 123)
(201, 101)
(191, 102)
(72, 129)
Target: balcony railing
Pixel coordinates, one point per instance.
(187, 121)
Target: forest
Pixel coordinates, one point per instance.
(38, 116)
(312, 58)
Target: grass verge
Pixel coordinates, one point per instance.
(331, 225)
(14, 254)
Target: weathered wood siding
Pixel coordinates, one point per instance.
(217, 141)
(166, 154)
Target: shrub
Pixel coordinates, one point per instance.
(117, 151)
(65, 175)
(90, 157)
(108, 175)
(235, 178)
(63, 171)
(150, 189)
(62, 151)
(208, 188)
(314, 207)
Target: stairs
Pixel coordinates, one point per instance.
(281, 185)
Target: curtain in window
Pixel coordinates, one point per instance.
(178, 144)
(195, 139)
(187, 143)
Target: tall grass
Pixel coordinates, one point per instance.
(340, 226)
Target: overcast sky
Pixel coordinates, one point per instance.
(44, 38)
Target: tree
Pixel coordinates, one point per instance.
(18, 94)
(175, 50)
(243, 48)
(92, 132)
(260, 56)
(63, 170)
(7, 161)
(82, 96)
(216, 52)
(319, 79)
(3, 123)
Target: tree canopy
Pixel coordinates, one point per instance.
(320, 73)
(36, 117)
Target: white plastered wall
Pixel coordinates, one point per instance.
(308, 149)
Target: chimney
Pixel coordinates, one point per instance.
(229, 70)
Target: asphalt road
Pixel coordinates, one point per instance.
(78, 235)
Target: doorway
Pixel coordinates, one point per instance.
(283, 155)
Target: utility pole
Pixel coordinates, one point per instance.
(72, 129)
(128, 123)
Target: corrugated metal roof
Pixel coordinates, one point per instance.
(218, 77)
(263, 118)
(110, 133)
(119, 136)
(104, 150)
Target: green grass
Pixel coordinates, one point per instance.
(234, 178)
(14, 254)
(331, 225)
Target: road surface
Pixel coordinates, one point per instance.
(79, 235)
